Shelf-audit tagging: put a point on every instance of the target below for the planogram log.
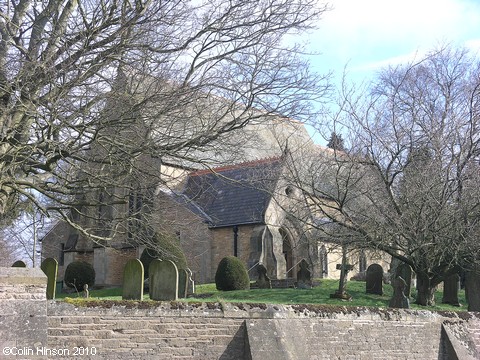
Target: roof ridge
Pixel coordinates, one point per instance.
(244, 164)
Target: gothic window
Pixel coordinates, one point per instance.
(139, 203)
(324, 260)
(104, 213)
(135, 204)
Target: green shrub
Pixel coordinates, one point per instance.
(231, 275)
(167, 247)
(79, 273)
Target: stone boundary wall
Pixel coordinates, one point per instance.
(39, 329)
(159, 333)
(240, 331)
(23, 312)
(473, 328)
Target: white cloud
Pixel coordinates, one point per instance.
(395, 60)
(373, 33)
(473, 45)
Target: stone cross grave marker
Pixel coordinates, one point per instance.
(163, 280)
(374, 280)
(344, 268)
(133, 279)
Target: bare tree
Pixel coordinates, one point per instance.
(23, 236)
(407, 186)
(97, 95)
(7, 256)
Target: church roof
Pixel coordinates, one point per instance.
(234, 195)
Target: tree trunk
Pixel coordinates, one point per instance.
(425, 291)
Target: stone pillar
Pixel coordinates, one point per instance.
(23, 313)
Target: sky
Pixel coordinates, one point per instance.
(365, 35)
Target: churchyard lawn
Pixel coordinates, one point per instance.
(319, 294)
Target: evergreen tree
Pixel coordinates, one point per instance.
(336, 142)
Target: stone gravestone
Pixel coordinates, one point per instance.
(450, 290)
(19, 263)
(263, 281)
(163, 277)
(133, 278)
(304, 276)
(472, 288)
(182, 283)
(405, 272)
(191, 282)
(399, 300)
(86, 292)
(50, 267)
(374, 280)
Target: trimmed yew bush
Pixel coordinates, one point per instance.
(231, 275)
(79, 273)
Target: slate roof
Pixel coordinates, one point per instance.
(234, 195)
(188, 203)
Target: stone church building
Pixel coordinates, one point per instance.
(234, 210)
(243, 207)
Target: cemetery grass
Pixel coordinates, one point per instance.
(320, 295)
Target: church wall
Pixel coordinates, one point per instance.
(334, 257)
(83, 256)
(192, 231)
(52, 248)
(223, 245)
(172, 176)
(114, 264)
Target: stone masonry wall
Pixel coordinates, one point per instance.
(473, 326)
(157, 333)
(222, 245)
(116, 263)
(23, 312)
(240, 331)
(361, 338)
(33, 328)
